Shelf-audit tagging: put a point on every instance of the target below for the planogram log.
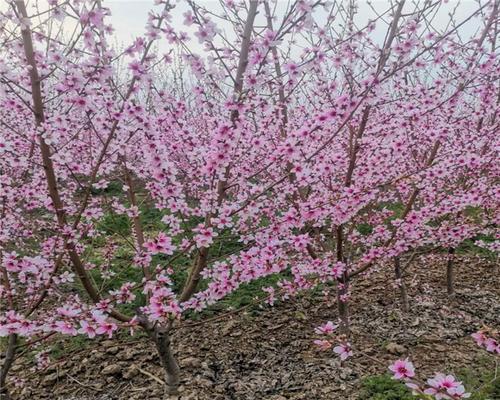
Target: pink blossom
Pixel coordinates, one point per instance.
(65, 327)
(137, 69)
(343, 350)
(161, 244)
(442, 386)
(292, 69)
(323, 344)
(204, 236)
(326, 328)
(188, 18)
(206, 32)
(106, 328)
(491, 345)
(479, 337)
(87, 329)
(402, 369)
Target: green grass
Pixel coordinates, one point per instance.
(364, 229)
(114, 224)
(63, 348)
(247, 292)
(478, 380)
(468, 246)
(382, 387)
(114, 188)
(151, 218)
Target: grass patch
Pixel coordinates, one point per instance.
(468, 246)
(479, 381)
(71, 344)
(365, 229)
(383, 387)
(112, 223)
(241, 297)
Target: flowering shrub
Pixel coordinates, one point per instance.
(258, 154)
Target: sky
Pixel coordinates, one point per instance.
(129, 17)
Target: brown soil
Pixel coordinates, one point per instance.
(268, 353)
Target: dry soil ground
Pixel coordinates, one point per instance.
(268, 353)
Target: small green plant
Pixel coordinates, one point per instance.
(383, 387)
(482, 382)
(115, 224)
(65, 347)
(468, 246)
(365, 229)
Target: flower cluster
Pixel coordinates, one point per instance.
(439, 387)
(343, 349)
(488, 339)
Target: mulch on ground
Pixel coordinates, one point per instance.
(268, 353)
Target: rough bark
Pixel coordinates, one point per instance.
(403, 292)
(342, 286)
(161, 338)
(10, 353)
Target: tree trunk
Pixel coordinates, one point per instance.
(10, 354)
(450, 272)
(161, 338)
(342, 286)
(401, 284)
(342, 303)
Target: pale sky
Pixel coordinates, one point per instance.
(129, 17)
